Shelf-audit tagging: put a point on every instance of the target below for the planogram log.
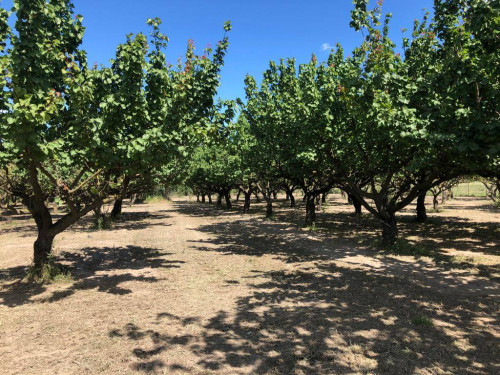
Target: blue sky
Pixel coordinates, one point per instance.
(262, 30)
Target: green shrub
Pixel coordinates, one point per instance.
(50, 272)
(422, 320)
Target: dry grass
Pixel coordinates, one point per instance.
(186, 288)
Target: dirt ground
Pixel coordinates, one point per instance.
(186, 288)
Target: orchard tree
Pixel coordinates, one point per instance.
(58, 140)
(288, 116)
(407, 131)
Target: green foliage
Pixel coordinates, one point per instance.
(405, 247)
(87, 134)
(422, 320)
(102, 222)
(51, 272)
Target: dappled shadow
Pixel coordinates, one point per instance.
(203, 209)
(92, 268)
(333, 320)
(129, 220)
(439, 238)
(254, 236)
(257, 237)
(24, 225)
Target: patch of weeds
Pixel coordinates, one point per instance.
(102, 222)
(154, 199)
(51, 272)
(422, 320)
(405, 247)
(271, 218)
(313, 228)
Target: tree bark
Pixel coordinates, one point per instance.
(117, 208)
(323, 198)
(389, 230)
(319, 202)
(269, 206)
(275, 194)
(42, 249)
(256, 194)
(310, 210)
(219, 200)
(435, 202)
(209, 198)
(246, 205)
(227, 196)
(292, 200)
(203, 199)
(166, 193)
(133, 198)
(421, 210)
(356, 204)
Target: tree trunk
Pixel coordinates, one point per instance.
(256, 194)
(209, 198)
(275, 195)
(203, 199)
(133, 199)
(269, 206)
(246, 205)
(389, 230)
(444, 196)
(227, 196)
(319, 202)
(117, 208)
(219, 200)
(98, 212)
(238, 196)
(323, 198)
(356, 204)
(166, 193)
(292, 200)
(421, 210)
(310, 210)
(435, 202)
(42, 250)
(198, 198)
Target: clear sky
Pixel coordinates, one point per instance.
(263, 30)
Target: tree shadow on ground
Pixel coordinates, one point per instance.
(332, 320)
(438, 232)
(90, 268)
(128, 220)
(203, 209)
(24, 225)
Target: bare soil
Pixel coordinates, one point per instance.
(187, 288)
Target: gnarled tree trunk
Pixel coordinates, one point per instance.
(227, 197)
(421, 210)
(389, 230)
(356, 204)
(42, 249)
(310, 210)
(246, 205)
(117, 208)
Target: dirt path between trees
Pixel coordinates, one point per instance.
(186, 288)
